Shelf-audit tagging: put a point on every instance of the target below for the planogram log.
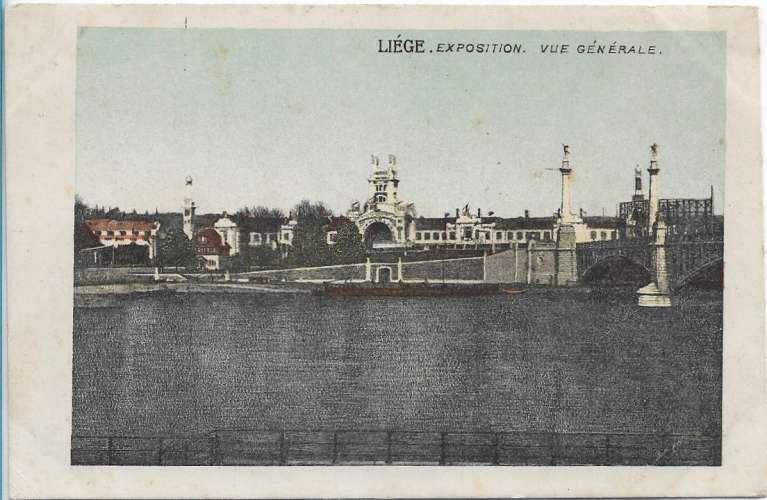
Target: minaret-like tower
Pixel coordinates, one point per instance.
(189, 209)
(653, 194)
(565, 210)
(383, 184)
(638, 194)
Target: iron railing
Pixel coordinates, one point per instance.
(372, 447)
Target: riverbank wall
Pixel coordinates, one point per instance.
(463, 269)
(525, 264)
(532, 264)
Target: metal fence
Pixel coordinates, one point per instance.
(297, 447)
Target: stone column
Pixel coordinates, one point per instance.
(367, 270)
(652, 211)
(566, 213)
(399, 268)
(657, 293)
(566, 268)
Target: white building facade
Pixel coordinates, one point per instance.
(229, 232)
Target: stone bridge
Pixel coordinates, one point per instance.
(672, 256)
(685, 260)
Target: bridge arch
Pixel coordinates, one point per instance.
(617, 269)
(710, 267)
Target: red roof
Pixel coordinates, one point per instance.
(208, 242)
(118, 225)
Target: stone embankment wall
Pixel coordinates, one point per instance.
(329, 273)
(534, 263)
(469, 268)
(455, 269)
(110, 275)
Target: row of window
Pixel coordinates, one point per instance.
(603, 235)
(205, 250)
(499, 236)
(476, 235)
(266, 238)
(121, 233)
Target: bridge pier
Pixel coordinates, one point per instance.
(657, 293)
(651, 295)
(566, 271)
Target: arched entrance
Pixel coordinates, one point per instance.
(378, 232)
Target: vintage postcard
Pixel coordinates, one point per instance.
(467, 248)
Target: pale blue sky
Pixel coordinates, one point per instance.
(267, 117)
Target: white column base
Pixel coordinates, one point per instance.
(651, 296)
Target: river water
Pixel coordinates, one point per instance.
(559, 360)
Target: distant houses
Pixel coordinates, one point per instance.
(211, 247)
(118, 233)
(122, 242)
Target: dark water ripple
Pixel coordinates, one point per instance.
(551, 360)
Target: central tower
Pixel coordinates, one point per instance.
(383, 185)
(385, 219)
